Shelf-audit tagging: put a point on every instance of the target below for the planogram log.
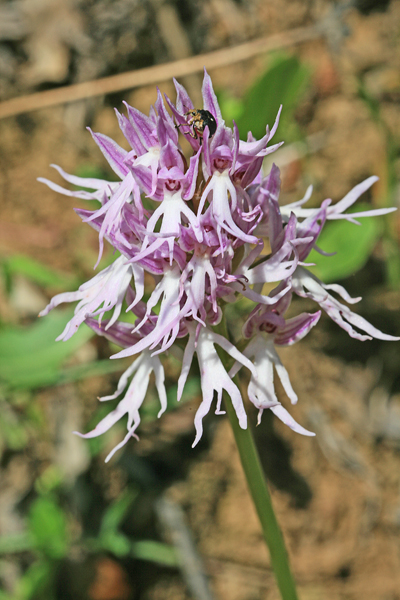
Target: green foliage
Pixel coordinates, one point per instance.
(48, 537)
(116, 513)
(49, 480)
(110, 538)
(92, 369)
(389, 183)
(283, 82)
(353, 245)
(36, 272)
(48, 527)
(36, 582)
(392, 257)
(155, 552)
(30, 357)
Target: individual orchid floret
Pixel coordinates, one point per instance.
(102, 190)
(104, 292)
(251, 153)
(307, 285)
(113, 210)
(269, 328)
(221, 194)
(177, 188)
(279, 266)
(261, 390)
(167, 326)
(142, 134)
(201, 269)
(336, 211)
(214, 377)
(141, 370)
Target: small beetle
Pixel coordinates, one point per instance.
(199, 119)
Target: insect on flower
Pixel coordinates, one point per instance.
(199, 119)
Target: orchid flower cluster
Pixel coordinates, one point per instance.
(215, 233)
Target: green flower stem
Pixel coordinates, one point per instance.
(262, 500)
(259, 491)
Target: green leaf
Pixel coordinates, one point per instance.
(117, 543)
(92, 369)
(284, 82)
(30, 357)
(155, 552)
(232, 108)
(38, 273)
(35, 582)
(353, 245)
(392, 261)
(50, 479)
(48, 527)
(115, 513)
(109, 538)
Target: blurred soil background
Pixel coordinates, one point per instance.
(72, 527)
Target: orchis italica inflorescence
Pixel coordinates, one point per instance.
(203, 244)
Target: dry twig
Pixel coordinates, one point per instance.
(157, 73)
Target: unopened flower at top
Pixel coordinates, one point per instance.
(202, 241)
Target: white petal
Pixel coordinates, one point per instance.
(286, 418)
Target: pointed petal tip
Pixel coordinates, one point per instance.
(243, 423)
(286, 418)
(179, 392)
(196, 440)
(161, 412)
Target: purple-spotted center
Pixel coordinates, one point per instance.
(173, 185)
(221, 164)
(268, 327)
